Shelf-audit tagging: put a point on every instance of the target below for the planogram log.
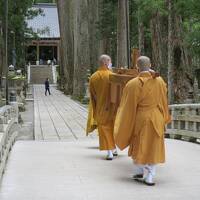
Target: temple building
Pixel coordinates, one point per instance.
(47, 46)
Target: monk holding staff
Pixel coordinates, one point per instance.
(141, 119)
(103, 113)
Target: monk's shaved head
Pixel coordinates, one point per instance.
(104, 59)
(144, 63)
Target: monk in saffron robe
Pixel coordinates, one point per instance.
(141, 119)
(103, 113)
(91, 123)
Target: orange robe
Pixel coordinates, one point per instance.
(141, 118)
(91, 123)
(103, 113)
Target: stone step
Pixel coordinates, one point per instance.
(40, 73)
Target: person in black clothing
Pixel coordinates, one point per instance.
(47, 87)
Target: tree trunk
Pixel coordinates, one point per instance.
(94, 42)
(66, 17)
(1, 49)
(122, 53)
(81, 48)
(170, 54)
(158, 42)
(183, 80)
(140, 35)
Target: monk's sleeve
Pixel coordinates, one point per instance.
(125, 119)
(166, 113)
(92, 98)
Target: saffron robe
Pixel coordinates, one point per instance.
(91, 123)
(103, 112)
(141, 119)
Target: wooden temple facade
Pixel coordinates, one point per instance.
(47, 46)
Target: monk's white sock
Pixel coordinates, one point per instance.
(110, 154)
(114, 151)
(151, 171)
(140, 169)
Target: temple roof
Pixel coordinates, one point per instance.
(47, 24)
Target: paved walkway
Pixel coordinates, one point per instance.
(74, 169)
(58, 117)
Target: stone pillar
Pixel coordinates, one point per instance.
(13, 96)
(5, 117)
(29, 73)
(193, 113)
(1, 124)
(38, 53)
(172, 114)
(187, 122)
(15, 111)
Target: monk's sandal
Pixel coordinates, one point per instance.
(137, 176)
(109, 158)
(148, 183)
(115, 153)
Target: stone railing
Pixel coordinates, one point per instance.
(8, 119)
(185, 122)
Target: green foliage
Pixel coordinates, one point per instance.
(17, 77)
(190, 12)
(145, 11)
(147, 8)
(133, 12)
(108, 22)
(44, 1)
(107, 26)
(18, 32)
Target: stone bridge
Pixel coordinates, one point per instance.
(61, 163)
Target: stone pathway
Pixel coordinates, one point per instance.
(57, 117)
(63, 164)
(76, 170)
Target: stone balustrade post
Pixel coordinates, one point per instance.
(6, 117)
(9, 113)
(1, 123)
(193, 113)
(178, 112)
(15, 111)
(172, 114)
(187, 113)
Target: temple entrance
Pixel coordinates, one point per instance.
(47, 53)
(42, 53)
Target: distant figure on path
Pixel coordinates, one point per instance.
(47, 88)
(141, 119)
(103, 114)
